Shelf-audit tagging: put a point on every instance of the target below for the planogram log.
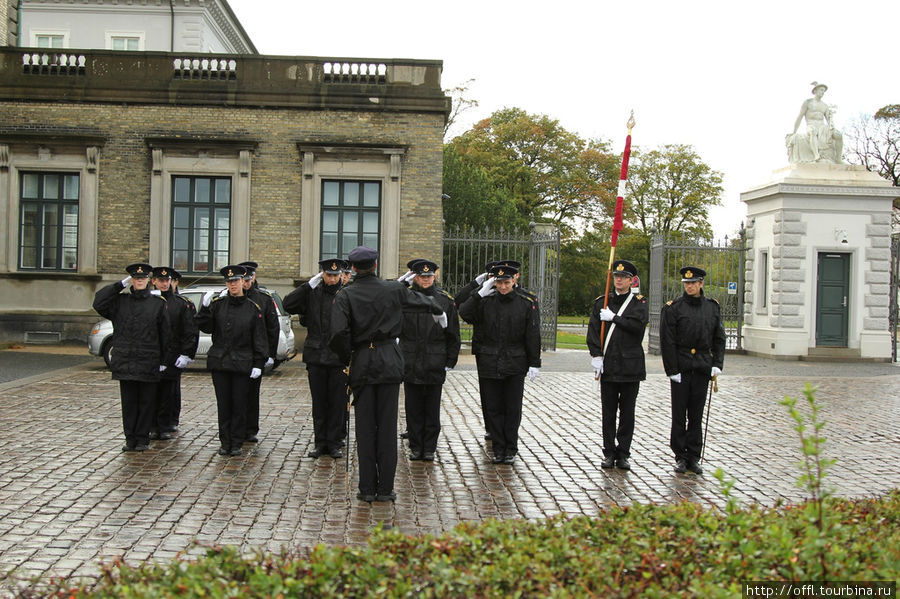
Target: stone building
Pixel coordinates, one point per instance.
(197, 160)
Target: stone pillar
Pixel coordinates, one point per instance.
(804, 212)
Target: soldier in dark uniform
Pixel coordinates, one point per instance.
(461, 296)
(366, 323)
(183, 336)
(140, 338)
(508, 326)
(618, 359)
(237, 354)
(265, 301)
(313, 302)
(692, 341)
(429, 352)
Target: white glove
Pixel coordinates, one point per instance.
(480, 278)
(156, 292)
(606, 314)
(162, 367)
(441, 319)
(716, 371)
(597, 363)
(405, 276)
(487, 288)
(182, 361)
(207, 298)
(675, 378)
(268, 363)
(314, 282)
(532, 373)
(224, 292)
(447, 368)
(126, 281)
(255, 373)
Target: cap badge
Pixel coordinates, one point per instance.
(425, 268)
(139, 269)
(500, 272)
(688, 274)
(620, 267)
(334, 266)
(165, 272)
(230, 274)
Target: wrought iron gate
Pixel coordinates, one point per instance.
(894, 302)
(467, 250)
(724, 266)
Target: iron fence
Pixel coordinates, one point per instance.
(724, 265)
(467, 250)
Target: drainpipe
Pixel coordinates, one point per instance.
(19, 24)
(171, 25)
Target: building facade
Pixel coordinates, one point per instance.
(109, 157)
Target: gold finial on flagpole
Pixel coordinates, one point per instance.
(630, 122)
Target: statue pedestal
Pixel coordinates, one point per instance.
(818, 264)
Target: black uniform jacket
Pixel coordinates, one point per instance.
(183, 332)
(140, 331)
(270, 316)
(314, 308)
(623, 358)
(691, 335)
(427, 348)
(366, 322)
(238, 334)
(509, 333)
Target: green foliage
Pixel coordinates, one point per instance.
(638, 551)
(671, 190)
(550, 173)
(475, 201)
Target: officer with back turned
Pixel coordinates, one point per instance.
(366, 323)
(692, 340)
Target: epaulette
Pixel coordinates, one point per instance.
(712, 299)
(266, 291)
(598, 298)
(530, 298)
(216, 298)
(255, 304)
(445, 293)
(639, 296)
(184, 299)
(669, 303)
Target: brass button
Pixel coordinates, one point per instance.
(693, 351)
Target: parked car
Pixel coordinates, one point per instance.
(100, 339)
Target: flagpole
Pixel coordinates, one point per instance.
(617, 221)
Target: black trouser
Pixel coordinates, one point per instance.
(484, 412)
(376, 408)
(503, 401)
(688, 400)
(138, 401)
(232, 389)
(621, 398)
(328, 387)
(165, 417)
(252, 421)
(423, 416)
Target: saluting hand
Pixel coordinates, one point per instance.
(207, 298)
(487, 288)
(126, 281)
(480, 278)
(314, 282)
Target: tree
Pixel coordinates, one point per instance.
(874, 142)
(474, 199)
(551, 174)
(459, 103)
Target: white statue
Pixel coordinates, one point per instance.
(821, 142)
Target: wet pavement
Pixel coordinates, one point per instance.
(70, 499)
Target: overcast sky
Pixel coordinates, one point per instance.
(725, 76)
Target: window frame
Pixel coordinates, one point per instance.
(341, 209)
(194, 206)
(60, 202)
(52, 33)
(140, 36)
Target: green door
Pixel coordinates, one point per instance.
(832, 299)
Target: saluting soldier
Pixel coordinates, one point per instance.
(182, 347)
(264, 300)
(429, 351)
(692, 340)
(140, 338)
(312, 302)
(366, 323)
(508, 326)
(618, 358)
(237, 354)
(461, 296)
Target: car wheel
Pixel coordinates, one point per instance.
(106, 352)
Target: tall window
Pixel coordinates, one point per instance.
(351, 216)
(201, 223)
(48, 222)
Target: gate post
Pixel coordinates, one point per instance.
(656, 289)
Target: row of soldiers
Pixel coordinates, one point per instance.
(375, 334)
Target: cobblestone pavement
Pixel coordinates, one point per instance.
(69, 499)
